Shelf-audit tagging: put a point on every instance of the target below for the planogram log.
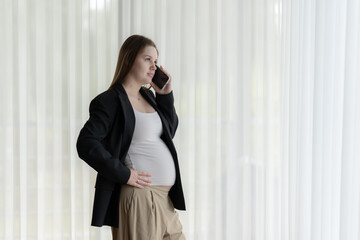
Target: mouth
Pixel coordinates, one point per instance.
(150, 75)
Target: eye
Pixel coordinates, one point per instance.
(147, 59)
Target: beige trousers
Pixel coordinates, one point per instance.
(147, 213)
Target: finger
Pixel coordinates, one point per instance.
(138, 186)
(146, 180)
(166, 72)
(163, 69)
(146, 174)
(143, 183)
(134, 184)
(155, 87)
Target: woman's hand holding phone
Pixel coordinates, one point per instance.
(167, 89)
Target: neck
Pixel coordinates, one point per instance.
(131, 87)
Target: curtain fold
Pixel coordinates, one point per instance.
(55, 56)
(267, 94)
(319, 58)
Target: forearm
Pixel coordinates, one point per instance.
(166, 105)
(95, 155)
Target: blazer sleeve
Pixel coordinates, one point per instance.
(165, 103)
(90, 143)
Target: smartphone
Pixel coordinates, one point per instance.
(160, 78)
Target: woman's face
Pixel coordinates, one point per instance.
(144, 67)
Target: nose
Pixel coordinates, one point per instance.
(153, 66)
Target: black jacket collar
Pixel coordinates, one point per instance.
(147, 94)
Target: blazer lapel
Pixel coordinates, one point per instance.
(128, 113)
(148, 98)
(129, 116)
(152, 102)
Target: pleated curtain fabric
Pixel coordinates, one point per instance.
(321, 114)
(267, 94)
(55, 57)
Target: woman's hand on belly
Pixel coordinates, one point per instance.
(139, 179)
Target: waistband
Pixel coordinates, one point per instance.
(164, 189)
(160, 189)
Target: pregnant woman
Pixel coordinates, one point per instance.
(128, 141)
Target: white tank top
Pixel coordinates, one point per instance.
(148, 152)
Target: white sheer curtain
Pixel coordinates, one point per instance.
(268, 98)
(320, 183)
(55, 56)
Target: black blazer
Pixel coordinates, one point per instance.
(104, 141)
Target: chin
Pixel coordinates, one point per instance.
(147, 81)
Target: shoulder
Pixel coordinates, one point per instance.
(109, 96)
(107, 101)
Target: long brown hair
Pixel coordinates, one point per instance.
(127, 55)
